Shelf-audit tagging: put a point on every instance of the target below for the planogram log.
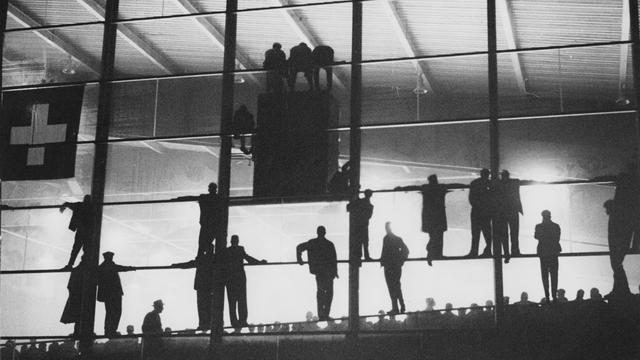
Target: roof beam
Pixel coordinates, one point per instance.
(402, 34)
(217, 36)
(303, 33)
(504, 11)
(51, 38)
(625, 30)
(129, 35)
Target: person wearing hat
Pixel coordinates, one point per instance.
(548, 235)
(152, 332)
(110, 292)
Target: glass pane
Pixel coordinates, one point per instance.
(156, 169)
(69, 54)
(408, 28)
(408, 155)
(567, 148)
(36, 239)
(172, 46)
(46, 304)
(171, 107)
(53, 191)
(427, 90)
(584, 79)
(532, 23)
(36, 13)
(129, 9)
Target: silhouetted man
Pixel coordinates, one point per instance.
(210, 218)
(152, 332)
(322, 58)
(361, 211)
(203, 284)
(480, 198)
(275, 62)
(394, 254)
(243, 124)
(300, 61)
(237, 282)
(339, 183)
(110, 292)
(434, 216)
(618, 236)
(508, 210)
(323, 263)
(548, 235)
(72, 312)
(82, 223)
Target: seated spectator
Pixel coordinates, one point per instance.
(562, 296)
(9, 351)
(594, 295)
(524, 299)
(579, 296)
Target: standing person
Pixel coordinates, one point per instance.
(361, 211)
(618, 236)
(243, 124)
(394, 254)
(323, 263)
(480, 198)
(210, 218)
(110, 292)
(508, 210)
(300, 61)
(203, 284)
(434, 215)
(322, 58)
(548, 235)
(237, 282)
(82, 224)
(275, 62)
(152, 332)
(72, 312)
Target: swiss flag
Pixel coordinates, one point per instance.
(39, 133)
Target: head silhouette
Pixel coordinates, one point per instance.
(504, 175)
(321, 231)
(546, 215)
(235, 240)
(129, 329)
(524, 297)
(484, 173)
(87, 198)
(277, 46)
(387, 228)
(158, 306)
(432, 179)
(368, 193)
(213, 188)
(108, 255)
(580, 294)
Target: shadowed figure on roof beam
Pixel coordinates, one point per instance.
(360, 211)
(152, 332)
(237, 282)
(323, 263)
(300, 60)
(322, 56)
(110, 292)
(72, 312)
(243, 124)
(394, 254)
(480, 198)
(203, 284)
(275, 62)
(624, 219)
(548, 235)
(210, 219)
(434, 216)
(82, 223)
(341, 180)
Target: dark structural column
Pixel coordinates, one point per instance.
(354, 157)
(495, 149)
(224, 165)
(635, 56)
(4, 6)
(99, 171)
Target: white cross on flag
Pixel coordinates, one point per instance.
(39, 133)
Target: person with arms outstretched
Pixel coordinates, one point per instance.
(434, 216)
(210, 218)
(323, 263)
(110, 292)
(82, 223)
